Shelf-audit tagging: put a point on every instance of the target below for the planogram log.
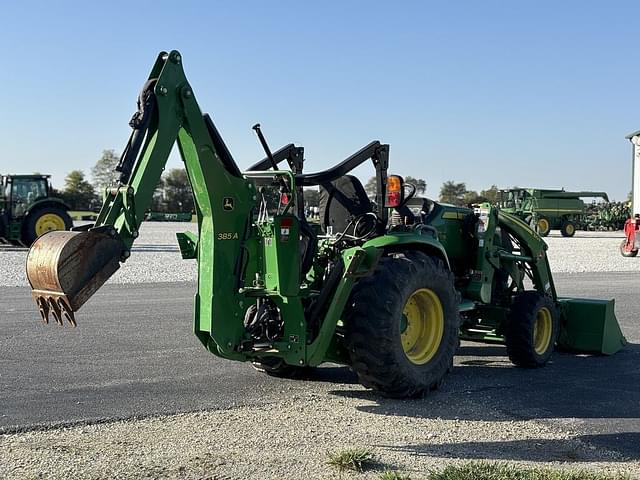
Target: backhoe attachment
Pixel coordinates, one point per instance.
(66, 268)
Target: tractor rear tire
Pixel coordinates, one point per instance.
(402, 325)
(627, 253)
(43, 220)
(531, 330)
(568, 228)
(276, 367)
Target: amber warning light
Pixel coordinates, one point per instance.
(395, 191)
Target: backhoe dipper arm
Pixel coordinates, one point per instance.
(66, 268)
(124, 206)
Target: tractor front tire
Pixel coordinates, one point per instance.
(402, 325)
(568, 228)
(532, 329)
(43, 220)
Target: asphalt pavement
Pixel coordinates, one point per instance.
(134, 354)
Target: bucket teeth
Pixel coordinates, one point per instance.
(67, 312)
(55, 311)
(58, 307)
(43, 307)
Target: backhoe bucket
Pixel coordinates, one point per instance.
(65, 268)
(589, 326)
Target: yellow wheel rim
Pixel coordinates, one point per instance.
(542, 330)
(543, 225)
(570, 229)
(48, 222)
(422, 326)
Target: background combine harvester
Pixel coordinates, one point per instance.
(387, 295)
(545, 210)
(631, 244)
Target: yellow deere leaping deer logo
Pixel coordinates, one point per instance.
(227, 203)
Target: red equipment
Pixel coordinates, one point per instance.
(631, 244)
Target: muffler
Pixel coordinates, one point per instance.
(65, 268)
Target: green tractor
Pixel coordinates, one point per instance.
(375, 286)
(27, 209)
(546, 210)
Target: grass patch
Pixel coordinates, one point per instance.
(355, 459)
(502, 471)
(391, 475)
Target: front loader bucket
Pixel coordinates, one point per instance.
(589, 326)
(65, 268)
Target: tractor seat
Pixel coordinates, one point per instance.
(341, 201)
(421, 208)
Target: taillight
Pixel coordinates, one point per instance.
(395, 191)
(285, 228)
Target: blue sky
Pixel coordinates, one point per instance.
(512, 93)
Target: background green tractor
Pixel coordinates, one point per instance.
(27, 209)
(546, 210)
(387, 294)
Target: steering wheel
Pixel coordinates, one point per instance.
(408, 196)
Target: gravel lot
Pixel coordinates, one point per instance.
(291, 439)
(156, 257)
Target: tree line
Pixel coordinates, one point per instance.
(450, 191)
(457, 194)
(172, 194)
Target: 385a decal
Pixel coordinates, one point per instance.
(227, 236)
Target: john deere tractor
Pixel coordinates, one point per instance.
(376, 286)
(27, 209)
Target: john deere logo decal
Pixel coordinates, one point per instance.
(227, 203)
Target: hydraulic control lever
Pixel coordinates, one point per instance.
(284, 188)
(265, 145)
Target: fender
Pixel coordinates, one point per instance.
(417, 239)
(51, 201)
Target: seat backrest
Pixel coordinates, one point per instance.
(340, 202)
(420, 207)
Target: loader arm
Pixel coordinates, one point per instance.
(533, 248)
(530, 253)
(587, 326)
(66, 268)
